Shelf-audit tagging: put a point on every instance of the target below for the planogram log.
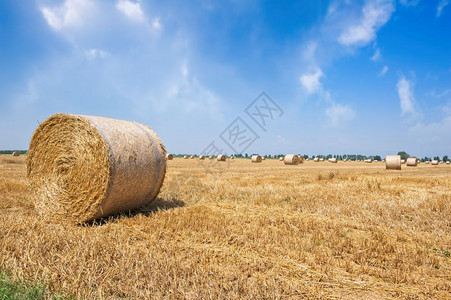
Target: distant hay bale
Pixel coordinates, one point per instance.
(333, 160)
(321, 159)
(221, 157)
(281, 158)
(169, 156)
(263, 158)
(256, 158)
(15, 153)
(447, 162)
(191, 157)
(185, 156)
(403, 161)
(369, 160)
(82, 168)
(434, 162)
(427, 162)
(233, 157)
(211, 157)
(316, 159)
(412, 162)
(291, 159)
(393, 162)
(202, 157)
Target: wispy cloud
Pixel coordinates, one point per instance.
(383, 71)
(131, 9)
(441, 5)
(311, 81)
(339, 114)
(409, 2)
(374, 15)
(71, 13)
(96, 53)
(406, 97)
(377, 55)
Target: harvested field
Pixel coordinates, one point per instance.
(241, 230)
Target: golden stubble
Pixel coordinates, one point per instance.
(315, 230)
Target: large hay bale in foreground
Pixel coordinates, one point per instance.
(82, 168)
(393, 162)
(169, 156)
(15, 153)
(412, 162)
(291, 159)
(256, 158)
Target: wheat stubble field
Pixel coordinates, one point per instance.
(317, 230)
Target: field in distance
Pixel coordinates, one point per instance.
(240, 230)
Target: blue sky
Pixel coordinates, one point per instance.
(366, 77)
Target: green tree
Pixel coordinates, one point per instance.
(445, 157)
(404, 154)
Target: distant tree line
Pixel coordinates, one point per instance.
(11, 151)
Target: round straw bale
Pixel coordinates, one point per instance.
(191, 157)
(427, 162)
(333, 160)
(256, 158)
(185, 156)
(202, 157)
(281, 158)
(403, 161)
(15, 153)
(369, 160)
(393, 162)
(321, 159)
(221, 157)
(233, 157)
(412, 162)
(447, 162)
(82, 168)
(316, 159)
(263, 158)
(291, 159)
(169, 156)
(434, 162)
(211, 157)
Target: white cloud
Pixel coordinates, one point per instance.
(338, 114)
(406, 97)
(383, 71)
(131, 9)
(96, 53)
(69, 14)
(374, 15)
(441, 5)
(377, 55)
(156, 24)
(311, 81)
(409, 2)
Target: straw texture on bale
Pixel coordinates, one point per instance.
(221, 157)
(15, 153)
(202, 157)
(291, 159)
(256, 158)
(412, 162)
(169, 156)
(393, 162)
(82, 168)
(434, 162)
(333, 160)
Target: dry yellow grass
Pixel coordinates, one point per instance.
(330, 231)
